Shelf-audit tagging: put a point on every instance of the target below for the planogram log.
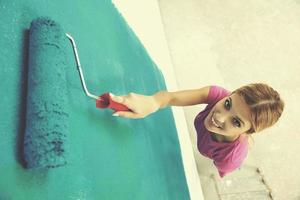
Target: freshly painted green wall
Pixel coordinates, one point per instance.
(109, 157)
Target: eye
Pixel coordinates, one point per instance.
(227, 104)
(236, 123)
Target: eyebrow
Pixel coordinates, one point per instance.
(239, 119)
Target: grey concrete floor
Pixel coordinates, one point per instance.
(232, 43)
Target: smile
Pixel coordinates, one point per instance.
(214, 122)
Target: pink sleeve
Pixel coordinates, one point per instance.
(216, 93)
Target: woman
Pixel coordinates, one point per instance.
(224, 126)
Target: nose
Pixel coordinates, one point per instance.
(221, 117)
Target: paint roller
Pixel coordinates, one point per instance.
(47, 114)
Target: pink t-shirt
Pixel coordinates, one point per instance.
(227, 156)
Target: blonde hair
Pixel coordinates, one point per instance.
(265, 104)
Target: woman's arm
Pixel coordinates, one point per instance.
(182, 98)
(142, 105)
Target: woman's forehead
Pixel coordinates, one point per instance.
(240, 108)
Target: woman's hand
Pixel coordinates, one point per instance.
(140, 105)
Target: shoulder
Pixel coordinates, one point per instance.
(216, 93)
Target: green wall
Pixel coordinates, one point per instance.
(109, 157)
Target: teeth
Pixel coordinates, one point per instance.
(213, 121)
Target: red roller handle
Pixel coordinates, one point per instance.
(105, 101)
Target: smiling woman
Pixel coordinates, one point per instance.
(229, 118)
(224, 125)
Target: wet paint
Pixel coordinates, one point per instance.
(110, 158)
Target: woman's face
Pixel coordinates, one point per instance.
(229, 117)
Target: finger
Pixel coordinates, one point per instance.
(121, 100)
(118, 99)
(126, 114)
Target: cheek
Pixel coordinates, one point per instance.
(226, 131)
(229, 130)
(234, 131)
(218, 106)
